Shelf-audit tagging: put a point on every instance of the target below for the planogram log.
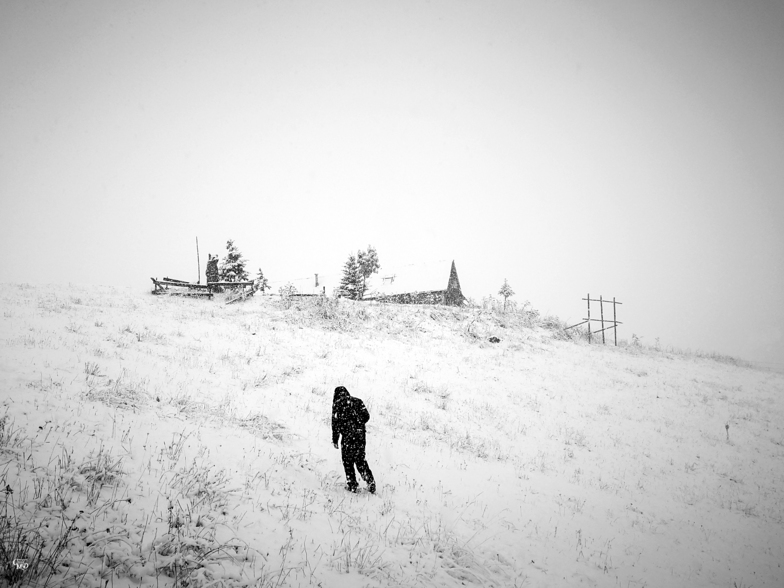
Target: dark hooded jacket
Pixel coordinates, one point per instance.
(349, 416)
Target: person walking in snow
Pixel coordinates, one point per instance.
(349, 416)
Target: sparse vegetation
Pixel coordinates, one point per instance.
(193, 450)
(286, 292)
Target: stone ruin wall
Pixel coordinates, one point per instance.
(434, 297)
(212, 269)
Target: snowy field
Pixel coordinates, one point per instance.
(155, 441)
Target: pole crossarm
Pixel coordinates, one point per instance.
(606, 301)
(597, 320)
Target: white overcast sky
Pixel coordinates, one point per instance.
(628, 149)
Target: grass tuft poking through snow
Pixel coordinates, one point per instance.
(153, 441)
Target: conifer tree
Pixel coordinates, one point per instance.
(261, 282)
(232, 268)
(506, 291)
(351, 282)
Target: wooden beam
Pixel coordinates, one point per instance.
(230, 284)
(174, 280)
(615, 332)
(601, 307)
(179, 284)
(598, 300)
(604, 329)
(589, 316)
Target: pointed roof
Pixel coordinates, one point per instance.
(454, 281)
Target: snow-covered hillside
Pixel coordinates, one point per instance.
(159, 441)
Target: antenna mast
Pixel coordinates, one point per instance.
(198, 261)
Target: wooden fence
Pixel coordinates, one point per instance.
(602, 320)
(174, 287)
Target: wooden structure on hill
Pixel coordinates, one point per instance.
(241, 291)
(173, 287)
(429, 283)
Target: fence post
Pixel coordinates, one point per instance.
(601, 309)
(615, 322)
(589, 317)
(589, 320)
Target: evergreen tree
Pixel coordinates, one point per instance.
(232, 268)
(261, 282)
(368, 265)
(351, 282)
(506, 291)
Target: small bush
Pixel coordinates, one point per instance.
(287, 293)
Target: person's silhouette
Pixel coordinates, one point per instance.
(349, 416)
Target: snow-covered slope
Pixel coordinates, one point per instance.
(152, 441)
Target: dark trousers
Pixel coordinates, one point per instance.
(354, 455)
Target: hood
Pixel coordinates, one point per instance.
(341, 394)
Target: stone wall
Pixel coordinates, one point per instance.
(454, 297)
(434, 297)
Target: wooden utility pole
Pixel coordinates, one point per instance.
(198, 260)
